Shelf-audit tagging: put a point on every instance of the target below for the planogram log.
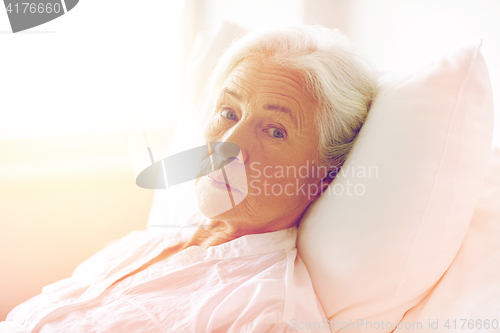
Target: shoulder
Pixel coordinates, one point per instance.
(278, 299)
(123, 250)
(302, 307)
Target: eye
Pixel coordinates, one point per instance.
(228, 114)
(276, 132)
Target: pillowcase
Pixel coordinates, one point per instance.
(470, 289)
(391, 223)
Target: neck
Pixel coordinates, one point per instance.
(212, 232)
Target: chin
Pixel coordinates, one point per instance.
(213, 201)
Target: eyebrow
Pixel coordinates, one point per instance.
(270, 107)
(279, 108)
(232, 93)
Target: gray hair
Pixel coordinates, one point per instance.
(343, 83)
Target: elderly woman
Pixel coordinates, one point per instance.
(292, 99)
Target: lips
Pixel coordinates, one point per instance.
(219, 178)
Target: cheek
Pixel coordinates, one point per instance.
(268, 182)
(286, 186)
(213, 129)
(209, 129)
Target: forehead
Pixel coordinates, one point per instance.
(258, 76)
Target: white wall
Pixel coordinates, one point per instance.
(251, 14)
(105, 65)
(403, 35)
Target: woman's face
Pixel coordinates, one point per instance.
(267, 112)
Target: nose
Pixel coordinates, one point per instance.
(233, 145)
(227, 150)
(224, 153)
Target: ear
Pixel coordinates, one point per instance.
(327, 177)
(322, 184)
(326, 181)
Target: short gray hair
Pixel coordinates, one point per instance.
(343, 83)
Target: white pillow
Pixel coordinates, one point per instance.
(470, 289)
(375, 255)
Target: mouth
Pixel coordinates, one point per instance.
(221, 184)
